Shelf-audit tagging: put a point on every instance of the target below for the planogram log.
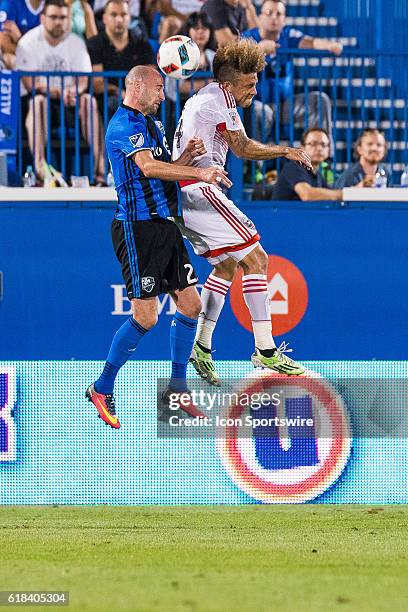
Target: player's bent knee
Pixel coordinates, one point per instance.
(256, 262)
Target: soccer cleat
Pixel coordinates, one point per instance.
(278, 362)
(105, 405)
(204, 365)
(184, 402)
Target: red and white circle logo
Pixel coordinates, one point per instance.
(287, 291)
(285, 463)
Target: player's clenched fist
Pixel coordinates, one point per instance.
(299, 155)
(214, 176)
(195, 146)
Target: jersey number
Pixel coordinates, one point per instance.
(190, 274)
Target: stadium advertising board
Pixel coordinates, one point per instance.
(354, 452)
(7, 424)
(327, 270)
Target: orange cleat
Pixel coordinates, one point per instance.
(105, 405)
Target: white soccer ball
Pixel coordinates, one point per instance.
(178, 57)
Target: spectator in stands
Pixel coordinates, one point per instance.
(175, 13)
(82, 18)
(51, 47)
(137, 10)
(295, 182)
(271, 34)
(16, 18)
(230, 18)
(370, 150)
(116, 49)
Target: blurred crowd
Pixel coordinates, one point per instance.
(84, 36)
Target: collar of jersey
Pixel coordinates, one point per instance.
(129, 108)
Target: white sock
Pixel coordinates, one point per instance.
(213, 298)
(255, 290)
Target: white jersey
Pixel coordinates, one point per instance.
(207, 114)
(34, 53)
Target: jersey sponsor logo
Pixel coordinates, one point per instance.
(148, 283)
(160, 126)
(137, 140)
(293, 463)
(288, 295)
(7, 423)
(3, 16)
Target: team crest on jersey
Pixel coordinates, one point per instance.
(148, 283)
(234, 117)
(137, 140)
(289, 464)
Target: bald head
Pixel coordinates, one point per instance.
(144, 89)
(140, 74)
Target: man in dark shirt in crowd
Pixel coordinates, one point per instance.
(116, 49)
(230, 18)
(295, 182)
(370, 150)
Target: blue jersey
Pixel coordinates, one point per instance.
(139, 198)
(21, 12)
(289, 38)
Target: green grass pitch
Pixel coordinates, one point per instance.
(256, 558)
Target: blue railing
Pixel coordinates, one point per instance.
(364, 89)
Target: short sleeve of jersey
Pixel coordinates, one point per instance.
(254, 33)
(133, 138)
(290, 37)
(226, 112)
(7, 11)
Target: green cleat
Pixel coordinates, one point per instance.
(278, 362)
(204, 365)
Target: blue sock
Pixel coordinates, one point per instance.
(182, 334)
(123, 344)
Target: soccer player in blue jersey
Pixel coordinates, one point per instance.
(148, 244)
(16, 18)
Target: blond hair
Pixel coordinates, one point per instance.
(237, 57)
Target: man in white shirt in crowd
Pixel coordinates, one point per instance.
(51, 47)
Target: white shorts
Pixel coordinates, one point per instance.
(216, 228)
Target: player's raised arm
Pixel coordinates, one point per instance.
(153, 168)
(248, 148)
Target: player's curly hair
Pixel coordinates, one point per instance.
(237, 57)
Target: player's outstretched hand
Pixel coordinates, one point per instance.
(300, 156)
(214, 176)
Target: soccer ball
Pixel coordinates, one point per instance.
(178, 57)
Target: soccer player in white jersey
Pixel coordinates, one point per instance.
(217, 229)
